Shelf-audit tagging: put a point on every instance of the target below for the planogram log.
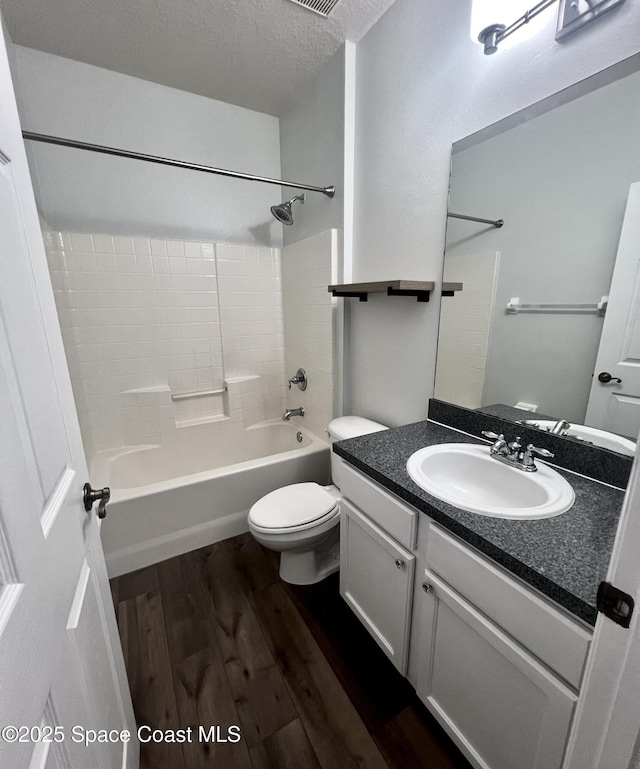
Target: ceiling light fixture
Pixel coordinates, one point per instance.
(492, 35)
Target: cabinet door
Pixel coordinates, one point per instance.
(500, 705)
(376, 580)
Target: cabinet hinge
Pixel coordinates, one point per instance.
(615, 604)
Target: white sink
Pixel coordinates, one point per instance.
(602, 438)
(466, 476)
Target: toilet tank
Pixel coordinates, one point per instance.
(348, 427)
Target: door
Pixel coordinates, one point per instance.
(606, 731)
(61, 665)
(613, 405)
(376, 580)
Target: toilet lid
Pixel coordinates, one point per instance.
(292, 505)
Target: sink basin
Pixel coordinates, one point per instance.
(466, 476)
(602, 438)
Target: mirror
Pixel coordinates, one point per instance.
(558, 174)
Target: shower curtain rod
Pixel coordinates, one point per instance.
(35, 137)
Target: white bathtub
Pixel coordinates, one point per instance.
(197, 487)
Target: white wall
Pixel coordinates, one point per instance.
(85, 192)
(312, 151)
(316, 145)
(308, 266)
(421, 85)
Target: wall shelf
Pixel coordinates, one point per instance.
(421, 289)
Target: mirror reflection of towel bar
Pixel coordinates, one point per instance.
(514, 306)
(494, 222)
(197, 394)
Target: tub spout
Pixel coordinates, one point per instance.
(292, 413)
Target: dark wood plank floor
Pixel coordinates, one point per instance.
(215, 638)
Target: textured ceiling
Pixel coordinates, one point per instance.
(255, 53)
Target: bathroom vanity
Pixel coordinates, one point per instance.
(490, 619)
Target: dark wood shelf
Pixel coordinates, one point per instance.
(421, 289)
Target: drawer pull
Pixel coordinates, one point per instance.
(427, 587)
(400, 564)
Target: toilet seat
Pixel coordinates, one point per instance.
(295, 507)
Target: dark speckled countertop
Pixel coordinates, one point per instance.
(565, 557)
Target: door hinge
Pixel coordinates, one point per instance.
(615, 604)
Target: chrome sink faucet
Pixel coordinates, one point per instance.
(560, 427)
(292, 413)
(512, 453)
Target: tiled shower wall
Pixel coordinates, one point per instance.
(308, 267)
(145, 319)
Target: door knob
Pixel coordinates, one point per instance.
(89, 496)
(605, 377)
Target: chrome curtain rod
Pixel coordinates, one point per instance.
(495, 222)
(35, 137)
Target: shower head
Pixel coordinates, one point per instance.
(283, 211)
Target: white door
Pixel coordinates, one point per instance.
(61, 666)
(616, 406)
(606, 731)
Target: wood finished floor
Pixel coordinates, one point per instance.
(214, 637)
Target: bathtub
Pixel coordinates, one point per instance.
(197, 487)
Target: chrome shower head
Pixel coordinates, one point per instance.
(283, 212)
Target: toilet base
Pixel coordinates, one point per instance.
(311, 566)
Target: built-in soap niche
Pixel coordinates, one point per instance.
(592, 461)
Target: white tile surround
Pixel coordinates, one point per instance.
(465, 328)
(308, 267)
(144, 318)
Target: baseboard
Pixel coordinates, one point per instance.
(139, 556)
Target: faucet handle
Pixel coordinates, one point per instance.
(300, 379)
(535, 451)
(499, 443)
(531, 451)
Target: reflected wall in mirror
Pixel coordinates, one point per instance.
(559, 174)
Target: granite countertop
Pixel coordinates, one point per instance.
(565, 557)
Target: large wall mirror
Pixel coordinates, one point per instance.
(530, 325)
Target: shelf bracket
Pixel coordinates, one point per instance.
(362, 296)
(421, 296)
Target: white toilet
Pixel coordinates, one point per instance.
(302, 521)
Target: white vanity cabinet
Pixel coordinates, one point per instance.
(501, 706)
(498, 665)
(376, 570)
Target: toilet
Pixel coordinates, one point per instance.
(302, 521)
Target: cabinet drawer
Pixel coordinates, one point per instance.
(383, 508)
(554, 638)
